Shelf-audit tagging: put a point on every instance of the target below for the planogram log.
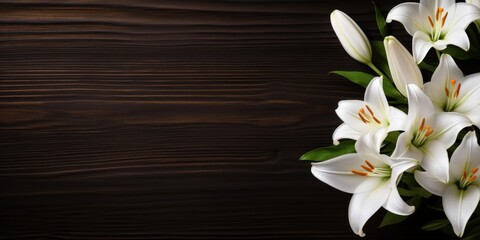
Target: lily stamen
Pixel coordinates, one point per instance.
(444, 18)
(452, 91)
(360, 173)
(439, 11)
(368, 117)
(431, 22)
(370, 170)
(467, 179)
(424, 131)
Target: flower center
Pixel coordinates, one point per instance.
(422, 134)
(467, 179)
(437, 25)
(452, 90)
(370, 170)
(368, 117)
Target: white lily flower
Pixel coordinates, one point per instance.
(428, 135)
(435, 23)
(351, 36)
(369, 115)
(404, 69)
(370, 176)
(461, 194)
(450, 91)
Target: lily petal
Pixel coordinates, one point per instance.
(429, 182)
(469, 97)
(466, 156)
(464, 15)
(348, 111)
(397, 120)
(375, 97)
(447, 70)
(404, 147)
(432, 6)
(345, 132)
(474, 115)
(337, 172)
(408, 15)
(447, 126)
(457, 37)
(396, 205)
(421, 44)
(364, 205)
(459, 206)
(435, 160)
(368, 146)
(419, 107)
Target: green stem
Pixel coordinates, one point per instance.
(375, 69)
(438, 54)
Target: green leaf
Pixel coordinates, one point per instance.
(459, 53)
(360, 78)
(406, 193)
(391, 218)
(435, 224)
(421, 192)
(322, 154)
(363, 79)
(409, 179)
(379, 57)
(382, 25)
(426, 66)
(392, 137)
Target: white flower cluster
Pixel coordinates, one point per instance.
(438, 111)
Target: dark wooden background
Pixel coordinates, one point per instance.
(143, 119)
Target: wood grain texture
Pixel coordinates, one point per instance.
(173, 119)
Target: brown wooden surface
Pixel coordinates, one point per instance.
(173, 119)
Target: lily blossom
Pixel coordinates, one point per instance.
(461, 194)
(370, 176)
(369, 115)
(450, 91)
(351, 36)
(404, 69)
(428, 135)
(435, 23)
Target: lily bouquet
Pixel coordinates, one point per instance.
(410, 143)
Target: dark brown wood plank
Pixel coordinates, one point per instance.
(172, 119)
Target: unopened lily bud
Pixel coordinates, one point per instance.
(351, 36)
(402, 66)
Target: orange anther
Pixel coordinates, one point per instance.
(369, 110)
(360, 173)
(369, 164)
(472, 178)
(444, 18)
(431, 22)
(447, 92)
(363, 119)
(422, 124)
(366, 168)
(475, 170)
(429, 132)
(458, 90)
